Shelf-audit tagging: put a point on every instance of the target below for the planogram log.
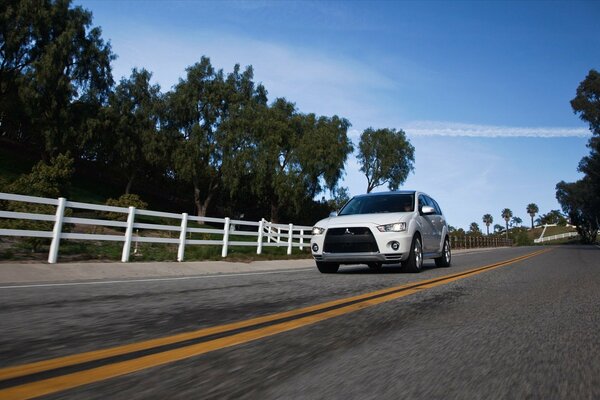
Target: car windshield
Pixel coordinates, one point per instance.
(381, 203)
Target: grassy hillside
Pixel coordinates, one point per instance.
(550, 231)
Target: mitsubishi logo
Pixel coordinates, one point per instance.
(347, 232)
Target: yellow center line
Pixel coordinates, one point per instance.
(61, 383)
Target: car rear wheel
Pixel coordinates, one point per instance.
(446, 257)
(327, 268)
(414, 263)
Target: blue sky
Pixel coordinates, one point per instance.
(482, 89)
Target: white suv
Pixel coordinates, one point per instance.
(383, 228)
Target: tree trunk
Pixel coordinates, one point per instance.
(532, 222)
(274, 211)
(488, 229)
(204, 206)
(197, 201)
(201, 205)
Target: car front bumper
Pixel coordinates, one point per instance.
(386, 253)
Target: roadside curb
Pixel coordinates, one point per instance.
(19, 273)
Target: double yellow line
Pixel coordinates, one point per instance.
(55, 375)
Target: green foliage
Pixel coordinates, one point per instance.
(386, 156)
(587, 101)
(488, 220)
(532, 210)
(340, 198)
(126, 200)
(44, 180)
(286, 157)
(581, 202)
(474, 229)
(521, 237)
(131, 141)
(507, 215)
(202, 116)
(54, 75)
(552, 217)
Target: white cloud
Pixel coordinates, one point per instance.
(434, 128)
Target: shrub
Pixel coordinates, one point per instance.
(126, 200)
(45, 180)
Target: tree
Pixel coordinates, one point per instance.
(532, 210)
(133, 142)
(199, 110)
(580, 199)
(498, 228)
(587, 101)
(507, 215)
(553, 217)
(516, 221)
(386, 156)
(474, 229)
(291, 157)
(339, 199)
(582, 205)
(55, 73)
(488, 220)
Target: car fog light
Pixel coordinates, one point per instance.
(315, 247)
(395, 245)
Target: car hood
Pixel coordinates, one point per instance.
(358, 219)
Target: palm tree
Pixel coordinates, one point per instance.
(516, 221)
(488, 220)
(532, 209)
(498, 228)
(507, 215)
(474, 228)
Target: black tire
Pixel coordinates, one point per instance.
(414, 263)
(327, 268)
(446, 258)
(375, 266)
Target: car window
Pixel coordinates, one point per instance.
(422, 201)
(437, 206)
(388, 203)
(431, 202)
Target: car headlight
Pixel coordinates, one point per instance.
(317, 231)
(397, 227)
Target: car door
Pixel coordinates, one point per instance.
(427, 226)
(438, 225)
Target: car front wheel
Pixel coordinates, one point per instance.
(415, 258)
(327, 268)
(446, 257)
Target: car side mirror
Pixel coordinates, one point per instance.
(333, 214)
(427, 210)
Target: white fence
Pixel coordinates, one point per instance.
(266, 233)
(555, 237)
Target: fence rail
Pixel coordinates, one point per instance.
(472, 242)
(555, 237)
(266, 233)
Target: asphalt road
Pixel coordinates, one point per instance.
(527, 329)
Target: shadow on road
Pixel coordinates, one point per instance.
(386, 269)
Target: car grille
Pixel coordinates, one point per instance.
(350, 240)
